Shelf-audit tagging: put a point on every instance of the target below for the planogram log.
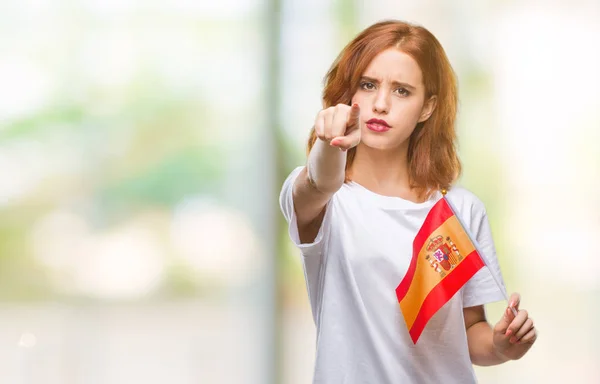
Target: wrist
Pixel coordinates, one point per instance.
(326, 167)
(499, 354)
(325, 146)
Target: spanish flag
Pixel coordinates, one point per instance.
(444, 259)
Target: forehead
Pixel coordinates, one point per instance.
(394, 65)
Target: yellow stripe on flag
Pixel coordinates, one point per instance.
(425, 277)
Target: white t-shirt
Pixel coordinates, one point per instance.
(352, 269)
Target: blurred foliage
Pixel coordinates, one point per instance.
(145, 153)
(346, 12)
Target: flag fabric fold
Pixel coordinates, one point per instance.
(444, 259)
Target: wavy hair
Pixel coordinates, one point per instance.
(433, 163)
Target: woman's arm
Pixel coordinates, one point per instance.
(510, 338)
(325, 170)
(480, 338)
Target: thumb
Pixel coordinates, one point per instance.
(344, 143)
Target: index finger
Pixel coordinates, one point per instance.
(354, 114)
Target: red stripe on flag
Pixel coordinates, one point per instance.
(437, 216)
(444, 291)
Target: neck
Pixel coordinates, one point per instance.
(383, 171)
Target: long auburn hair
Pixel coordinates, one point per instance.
(433, 163)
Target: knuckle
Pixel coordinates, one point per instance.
(318, 129)
(341, 108)
(531, 337)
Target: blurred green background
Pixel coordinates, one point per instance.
(143, 145)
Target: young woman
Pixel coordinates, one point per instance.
(379, 154)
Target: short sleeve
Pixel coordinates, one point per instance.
(286, 203)
(482, 288)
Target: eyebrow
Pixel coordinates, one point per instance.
(394, 83)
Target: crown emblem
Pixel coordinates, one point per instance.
(434, 243)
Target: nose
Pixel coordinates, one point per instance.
(382, 102)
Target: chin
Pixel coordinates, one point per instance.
(379, 142)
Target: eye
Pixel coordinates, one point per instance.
(403, 92)
(367, 86)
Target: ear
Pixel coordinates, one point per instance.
(428, 108)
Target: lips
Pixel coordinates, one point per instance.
(377, 125)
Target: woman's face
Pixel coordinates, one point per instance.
(391, 96)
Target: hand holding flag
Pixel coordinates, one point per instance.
(514, 335)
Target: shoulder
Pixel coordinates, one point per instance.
(285, 195)
(288, 183)
(291, 177)
(466, 201)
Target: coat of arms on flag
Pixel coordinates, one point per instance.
(444, 254)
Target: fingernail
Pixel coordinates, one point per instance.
(509, 332)
(513, 339)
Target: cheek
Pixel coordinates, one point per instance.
(407, 111)
(357, 99)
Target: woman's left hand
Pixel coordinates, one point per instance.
(514, 335)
